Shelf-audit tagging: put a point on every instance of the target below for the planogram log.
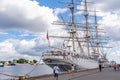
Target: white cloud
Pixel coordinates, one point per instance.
(7, 51)
(26, 15)
(110, 22)
(60, 10)
(105, 5)
(31, 49)
(3, 33)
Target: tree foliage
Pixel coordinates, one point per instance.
(22, 60)
(35, 61)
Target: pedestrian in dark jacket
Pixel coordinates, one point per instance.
(115, 66)
(100, 67)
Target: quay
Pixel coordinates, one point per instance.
(93, 74)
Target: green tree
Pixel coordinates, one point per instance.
(22, 60)
(9, 62)
(35, 61)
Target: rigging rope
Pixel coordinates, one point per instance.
(34, 67)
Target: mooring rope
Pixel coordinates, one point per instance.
(34, 67)
(6, 74)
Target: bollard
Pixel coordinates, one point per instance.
(21, 77)
(69, 71)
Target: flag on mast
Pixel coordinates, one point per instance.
(47, 36)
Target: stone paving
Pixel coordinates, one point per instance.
(95, 74)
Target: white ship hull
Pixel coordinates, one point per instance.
(66, 64)
(86, 63)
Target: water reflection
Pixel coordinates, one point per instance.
(24, 69)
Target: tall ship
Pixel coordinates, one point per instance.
(83, 46)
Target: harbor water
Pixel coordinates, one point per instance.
(31, 70)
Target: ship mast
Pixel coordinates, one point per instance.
(96, 27)
(72, 24)
(72, 30)
(86, 21)
(90, 39)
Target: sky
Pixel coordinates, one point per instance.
(24, 24)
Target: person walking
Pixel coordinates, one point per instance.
(72, 69)
(56, 72)
(115, 66)
(100, 65)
